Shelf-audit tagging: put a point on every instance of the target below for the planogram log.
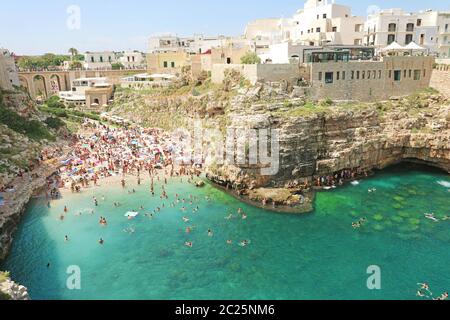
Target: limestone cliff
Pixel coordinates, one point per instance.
(325, 138)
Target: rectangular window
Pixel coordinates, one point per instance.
(374, 74)
(353, 75)
(368, 74)
(363, 75)
(379, 74)
(419, 22)
(317, 29)
(334, 29)
(173, 64)
(338, 75)
(329, 77)
(408, 39)
(166, 64)
(357, 75)
(404, 73)
(320, 76)
(324, 15)
(416, 74)
(391, 38)
(424, 73)
(397, 75)
(343, 75)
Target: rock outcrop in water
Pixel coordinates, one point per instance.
(9, 290)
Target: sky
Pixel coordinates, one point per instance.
(31, 27)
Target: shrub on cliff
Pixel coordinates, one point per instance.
(33, 129)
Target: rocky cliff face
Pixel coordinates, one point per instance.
(325, 138)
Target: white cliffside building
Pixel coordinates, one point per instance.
(320, 22)
(429, 29)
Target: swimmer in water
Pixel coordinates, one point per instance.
(244, 243)
(244, 216)
(66, 238)
(443, 297)
(61, 217)
(65, 209)
(188, 244)
(185, 219)
(101, 241)
(210, 233)
(229, 217)
(229, 242)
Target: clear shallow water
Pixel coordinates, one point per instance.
(314, 256)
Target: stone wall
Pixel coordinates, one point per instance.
(440, 80)
(258, 72)
(370, 80)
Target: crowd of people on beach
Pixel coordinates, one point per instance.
(340, 177)
(100, 152)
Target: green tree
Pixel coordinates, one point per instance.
(250, 58)
(117, 66)
(73, 52)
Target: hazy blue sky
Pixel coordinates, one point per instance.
(36, 27)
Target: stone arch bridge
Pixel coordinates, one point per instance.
(46, 83)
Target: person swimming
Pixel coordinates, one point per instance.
(229, 242)
(189, 244)
(66, 238)
(101, 241)
(244, 243)
(65, 209)
(210, 233)
(185, 219)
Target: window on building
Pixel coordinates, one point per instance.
(357, 75)
(424, 73)
(92, 59)
(397, 75)
(410, 27)
(324, 15)
(343, 75)
(166, 64)
(334, 29)
(379, 74)
(416, 74)
(363, 75)
(359, 27)
(317, 29)
(353, 75)
(392, 27)
(172, 64)
(391, 38)
(419, 22)
(422, 39)
(329, 77)
(408, 38)
(101, 59)
(404, 73)
(320, 76)
(338, 75)
(228, 60)
(368, 74)
(109, 59)
(318, 17)
(446, 27)
(374, 74)
(410, 73)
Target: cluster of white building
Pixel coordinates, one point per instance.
(323, 22)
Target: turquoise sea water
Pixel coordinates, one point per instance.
(313, 256)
